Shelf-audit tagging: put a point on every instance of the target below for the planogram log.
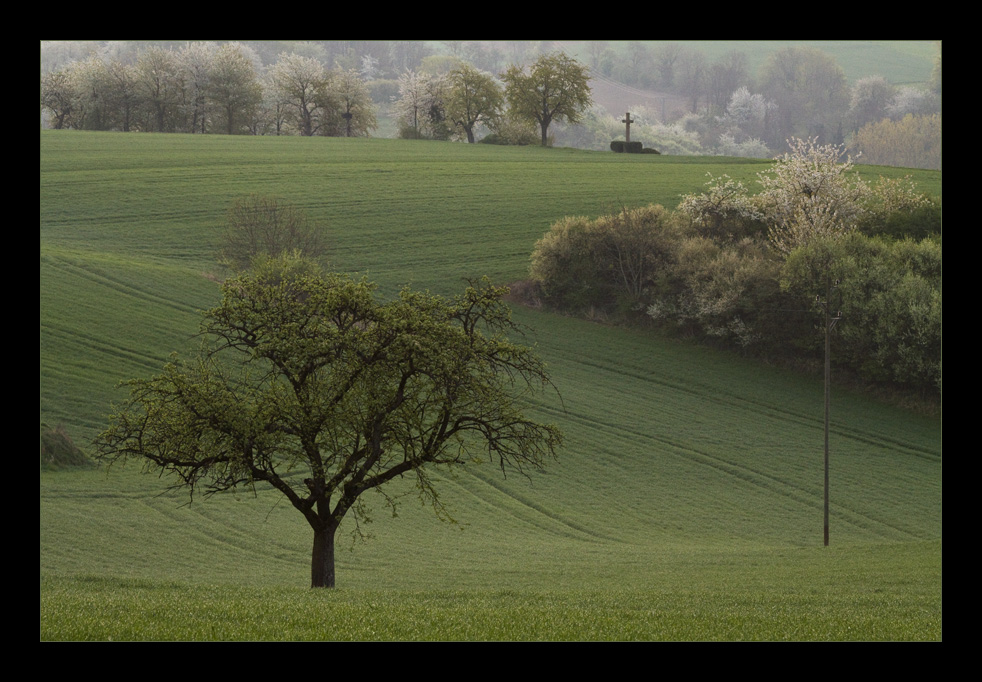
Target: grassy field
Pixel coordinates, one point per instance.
(686, 505)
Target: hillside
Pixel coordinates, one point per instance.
(618, 98)
(688, 476)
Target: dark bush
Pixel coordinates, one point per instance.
(889, 293)
(919, 223)
(265, 225)
(611, 264)
(58, 450)
(622, 147)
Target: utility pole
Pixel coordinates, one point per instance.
(830, 321)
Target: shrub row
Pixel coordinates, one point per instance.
(721, 281)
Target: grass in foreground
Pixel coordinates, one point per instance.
(811, 595)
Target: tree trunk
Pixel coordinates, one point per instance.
(322, 558)
(544, 124)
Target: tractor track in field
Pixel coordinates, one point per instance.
(102, 278)
(658, 434)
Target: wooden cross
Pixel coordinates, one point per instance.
(628, 121)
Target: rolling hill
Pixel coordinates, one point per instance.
(687, 500)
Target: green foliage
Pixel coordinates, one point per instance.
(554, 88)
(709, 272)
(305, 371)
(508, 130)
(891, 304)
(610, 263)
(811, 93)
(893, 207)
(725, 211)
(58, 450)
(912, 142)
(472, 98)
(726, 292)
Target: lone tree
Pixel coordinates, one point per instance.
(260, 225)
(554, 88)
(310, 384)
(473, 97)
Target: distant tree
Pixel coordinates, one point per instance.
(910, 99)
(725, 76)
(638, 63)
(871, 98)
(692, 77)
(121, 93)
(454, 47)
(421, 106)
(519, 51)
(473, 97)
(407, 55)
(912, 142)
(59, 96)
(299, 85)
(234, 87)
(196, 60)
(270, 117)
(262, 225)
(599, 49)
(314, 387)
(439, 64)
(57, 54)
(553, 88)
(347, 104)
(665, 57)
(369, 67)
(810, 91)
(159, 86)
(310, 50)
(410, 107)
(106, 94)
(747, 114)
(484, 57)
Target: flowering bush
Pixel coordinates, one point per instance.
(809, 193)
(724, 211)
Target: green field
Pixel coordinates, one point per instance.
(687, 504)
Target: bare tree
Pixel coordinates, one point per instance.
(260, 224)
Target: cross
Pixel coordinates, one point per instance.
(628, 121)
